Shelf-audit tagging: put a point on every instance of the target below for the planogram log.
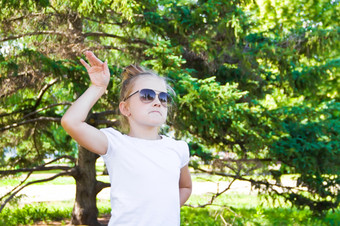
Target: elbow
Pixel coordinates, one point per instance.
(70, 124)
(65, 122)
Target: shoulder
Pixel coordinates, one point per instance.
(183, 145)
(113, 135)
(179, 144)
(115, 140)
(182, 149)
(111, 131)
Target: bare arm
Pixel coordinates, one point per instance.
(74, 119)
(185, 185)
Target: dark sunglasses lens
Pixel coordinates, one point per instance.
(164, 97)
(147, 95)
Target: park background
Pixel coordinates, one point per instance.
(257, 100)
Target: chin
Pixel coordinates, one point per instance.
(157, 123)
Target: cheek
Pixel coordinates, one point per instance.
(166, 112)
(138, 108)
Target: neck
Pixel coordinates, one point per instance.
(145, 133)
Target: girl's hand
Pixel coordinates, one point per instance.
(98, 71)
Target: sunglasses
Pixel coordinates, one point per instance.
(149, 95)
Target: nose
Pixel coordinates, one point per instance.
(156, 102)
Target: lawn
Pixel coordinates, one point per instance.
(231, 208)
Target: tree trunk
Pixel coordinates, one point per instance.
(85, 210)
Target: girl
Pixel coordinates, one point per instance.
(148, 172)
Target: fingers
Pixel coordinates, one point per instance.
(95, 64)
(106, 68)
(85, 64)
(93, 60)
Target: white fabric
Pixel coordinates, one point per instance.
(144, 176)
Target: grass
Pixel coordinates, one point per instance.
(255, 216)
(247, 209)
(29, 214)
(45, 212)
(231, 208)
(239, 213)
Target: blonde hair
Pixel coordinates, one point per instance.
(129, 76)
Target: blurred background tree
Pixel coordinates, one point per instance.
(257, 88)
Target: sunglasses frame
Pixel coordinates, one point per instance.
(165, 104)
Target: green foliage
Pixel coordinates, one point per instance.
(244, 209)
(257, 81)
(29, 214)
(310, 147)
(200, 217)
(210, 105)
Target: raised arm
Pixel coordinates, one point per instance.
(74, 119)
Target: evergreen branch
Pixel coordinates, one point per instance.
(106, 22)
(42, 167)
(103, 34)
(21, 183)
(42, 109)
(43, 90)
(14, 125)
(34, 112)
(61, 157)
(14, 37)
(104, 47)
(58, 13)
(99, 45)
(240, 177)
(12, 113)
(36, 169)
(66, 173)
(216, 195)
(28, 16)
(121, 14)
(245, 160)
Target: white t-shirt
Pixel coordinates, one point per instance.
(144, 176)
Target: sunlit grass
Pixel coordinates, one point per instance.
(255, 216)
(243, 209)
(232, 208)
(46, 212)
(233, 212)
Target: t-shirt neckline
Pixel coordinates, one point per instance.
(145, 140)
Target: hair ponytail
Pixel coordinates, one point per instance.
(131, 71)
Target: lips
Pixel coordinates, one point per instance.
(155, 112)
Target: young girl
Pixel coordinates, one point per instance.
(148, 172)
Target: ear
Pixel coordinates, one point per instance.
(124, 108)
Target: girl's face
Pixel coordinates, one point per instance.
(150, 114)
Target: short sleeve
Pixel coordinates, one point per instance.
(112, 138)
(185, 154)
